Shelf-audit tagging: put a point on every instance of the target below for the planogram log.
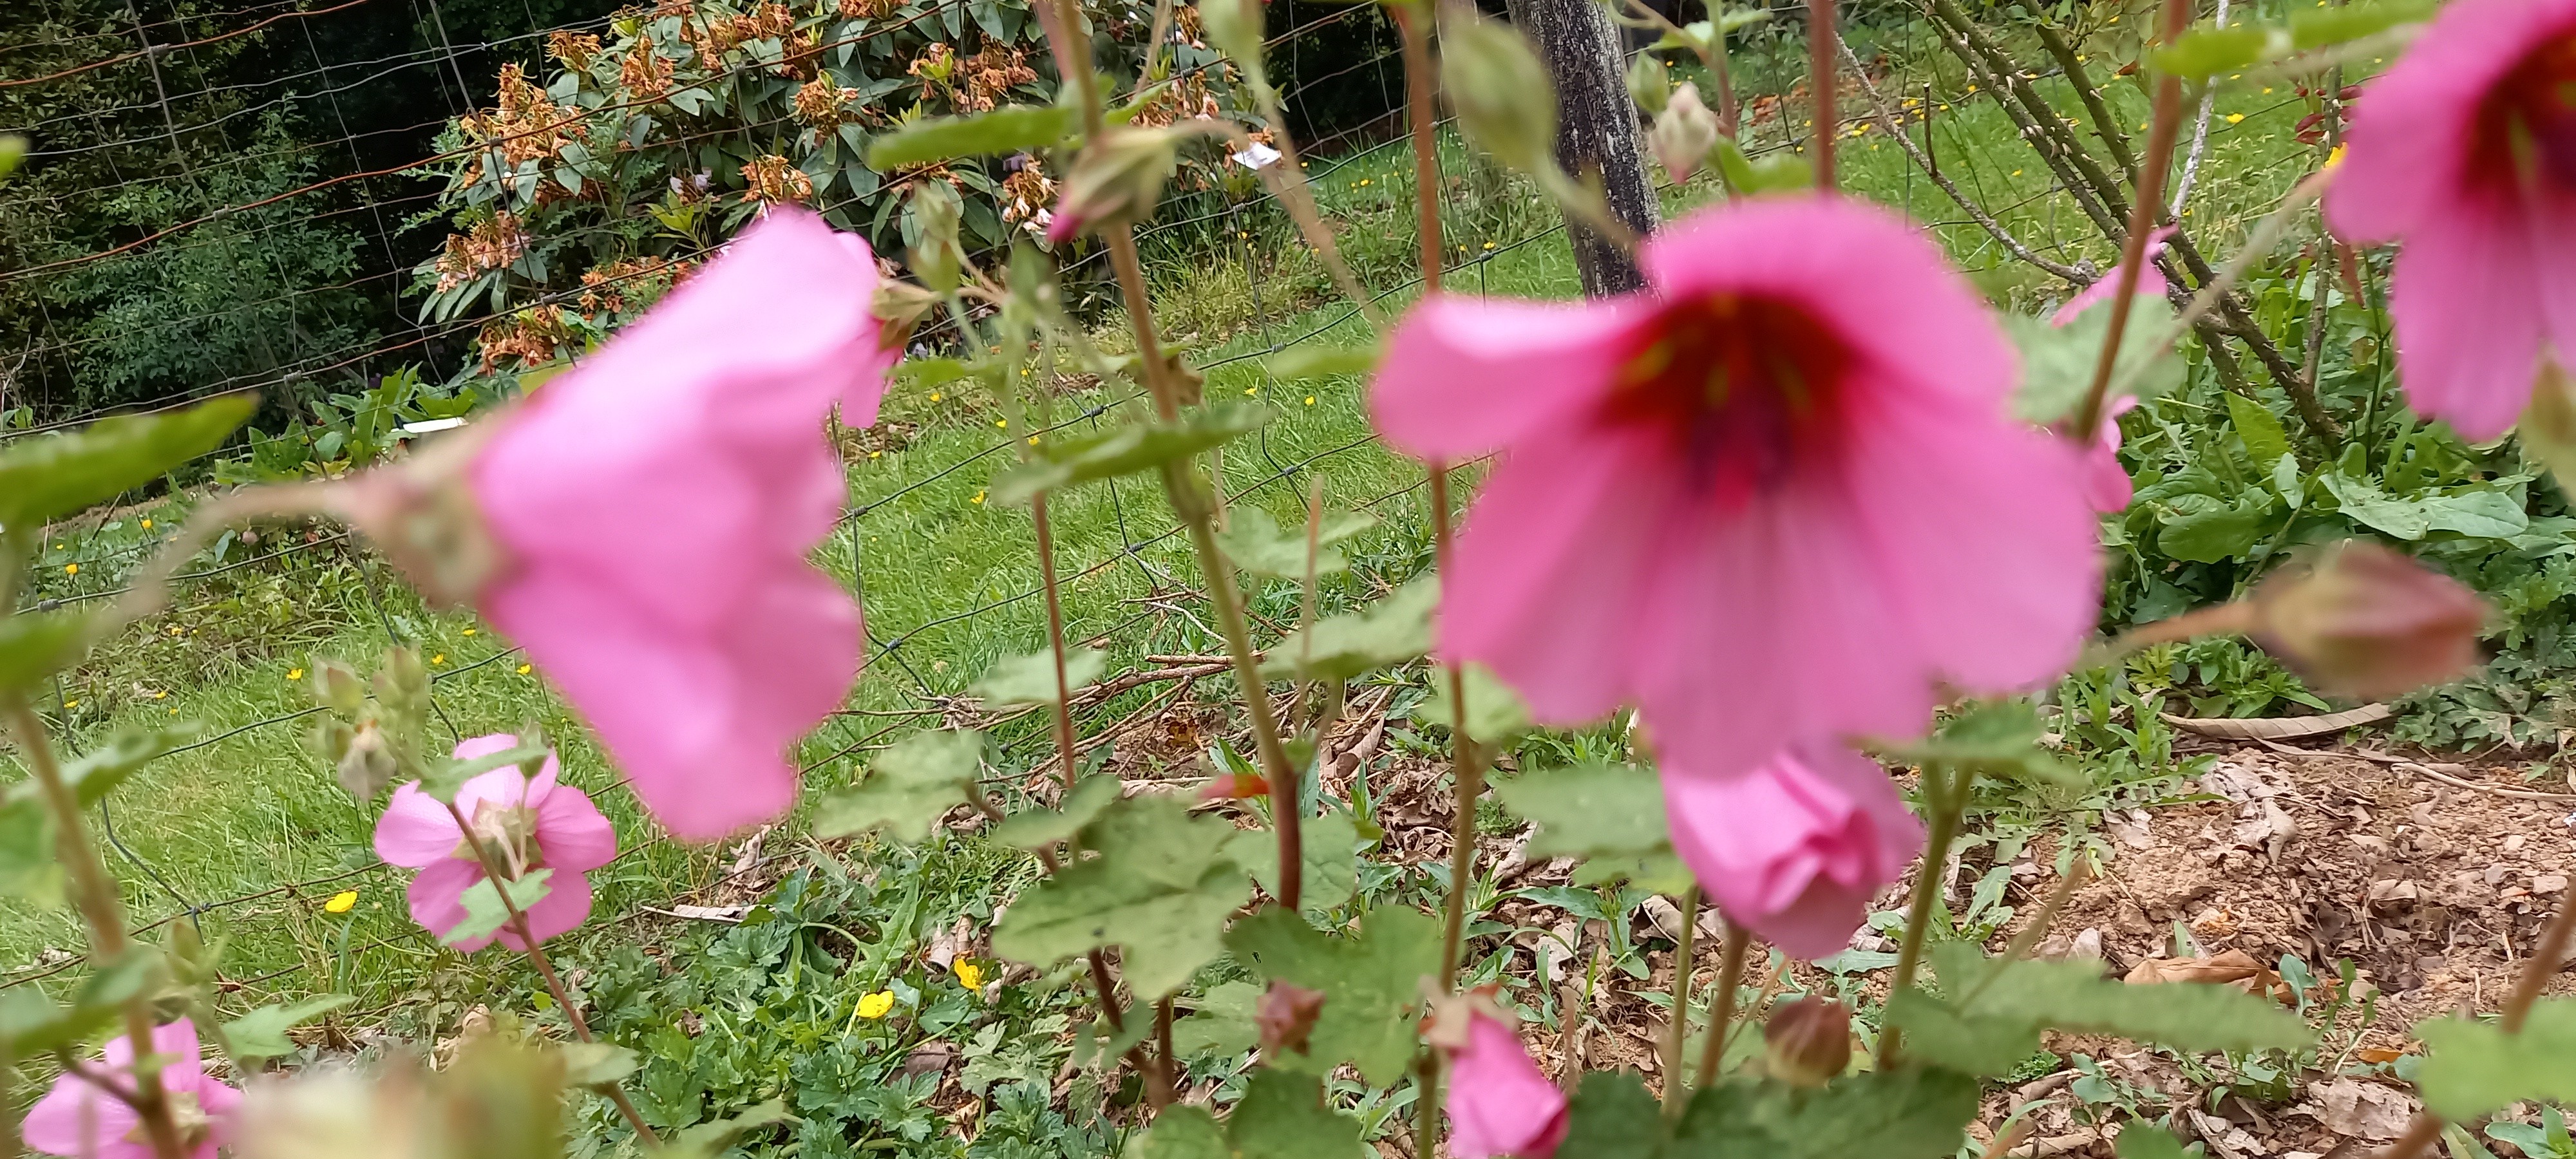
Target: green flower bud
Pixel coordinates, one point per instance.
(1118, 178)
(2357, 619)
(1649, 83)
(936, 259)
(1499, 91)
(1808, 1042)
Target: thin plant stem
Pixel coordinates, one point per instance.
(496, 871)
(1820, 75)
(1946, 796)
(2537, 969)
(1468, 771)
(1064, 741)
(1171, 1069)
(1721, 1004)
(1418, 79)
(1677, 1092)
(2143, 209)
(94, 892)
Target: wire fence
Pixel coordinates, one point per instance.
(886, 654)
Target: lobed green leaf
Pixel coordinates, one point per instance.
(49, 476)
(1009, 129)
(1030, 679)
(261, 1034)
(1372, 984)
(1161, 888)
(909, 787)
(1392, 631)
(2472, 1067)
(1125, 451)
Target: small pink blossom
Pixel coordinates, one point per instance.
(75, 1118)
(2465, 150)
(1796, 849)
(2151, 283)
(1499, 1103)
(1777, 498)
(2107, 486)
(641, 525)
(531, 825)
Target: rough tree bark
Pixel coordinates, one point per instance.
(1596, 131)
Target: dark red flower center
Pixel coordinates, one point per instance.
(2528, 127)
(1745, 389)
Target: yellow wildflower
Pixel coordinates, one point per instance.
(469, 631)
(1310, 400)
(876, 1005)
(147, 525)
(70, 704)
(341, 902)
(2336, 158)
(934, 396)
(969, 975)
(441, 658)
(978, 500)
(71, 569)
(293, 674)
(524, 669)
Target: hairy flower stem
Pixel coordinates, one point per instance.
(1064, 742)
(1192, 506)
(1677, 1092)
(1820, 76)
(1468, 771)
(493, 869)
(95, 894)
(2536, 971)
(1418, 79)
(1721, 1004)
(2142, 221)
(1945, 798)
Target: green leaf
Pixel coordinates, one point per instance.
(28, 868)
(1222, 1024)
(2265, 441)
(35, 645)
(2058, 362)
(13, 149)
(1994, 1012)
(1613, 1116)
(2309, 30)
(1392, 631)
(1903, 1114)
(1256, 543)
(2205, 52)
(1372, 984)
(1777, 173)
(261, 1034)
(1125, 451)
(928, 372)
(1589, 810)
(908, 788)
(2206, 529)
(1009, 129)
(597, 1065)
(2368, 505)
(1039, 828)
(1030, 679)
(1495, 711)
(1995, 737)
(484, 913)
(1701, 35)
(1328, 845)
(1319, 361)
(2143, 1141)
(1284, 1116)
(99, 771)
(446, 777)
(1162, 888)
(2472, 1067)
(2479, 514)
(54, 475)
(708, 1140)
(1181, 1132)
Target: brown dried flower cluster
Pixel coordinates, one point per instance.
(525, 127)
(867, 9)
(822, 104)
(607, 288)
(934, 66)
(491, 245)
(1027, 193)
(1186, 98)
(576, 52)
(645, 74)
(776, 180)
(990, 75)
(532, 336)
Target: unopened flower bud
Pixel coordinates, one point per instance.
(367, 764)
(1650, 83)
(1235, 27)
(1499, 91)
(2357, 619)
(937, 259)
(1684, 133)
(1118, 178)
(900, 306)
(1286, 1017)
(337, 687)
(1808, 1042)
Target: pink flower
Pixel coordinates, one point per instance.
(1796, 849)
(645, 521)
(2466, 151)
(75, 1118)
(539, 824)
(2151, 283)
(2107, 486)
(1774, 499)
(1499, 1103)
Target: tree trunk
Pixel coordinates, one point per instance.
(1596, 131)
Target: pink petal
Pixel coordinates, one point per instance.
(2468, 319)
(75, 1119)
(1499, 1103)
(563, 909)
(2553, 266)
(1463, 375)
(2408, 162)
(572, 835)
(437, 896)
(416, 830)
(220, 1103)
(2151, 284)
(1796, 849)
(505, 787)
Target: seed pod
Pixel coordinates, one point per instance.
(1808, 1041)
(1286, 1018)
(1683, 133)
(1118, 177)
(2357, 619)
(1500, 93)
(936, 259)
(1650, 83)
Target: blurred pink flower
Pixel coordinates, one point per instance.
(537, 824)
(2151, 283)
(1774, 499)
(2465, 150)
(75, 1118)
(1796, 849)
(1499, 1102)
(2107, 486)
(645, 522)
